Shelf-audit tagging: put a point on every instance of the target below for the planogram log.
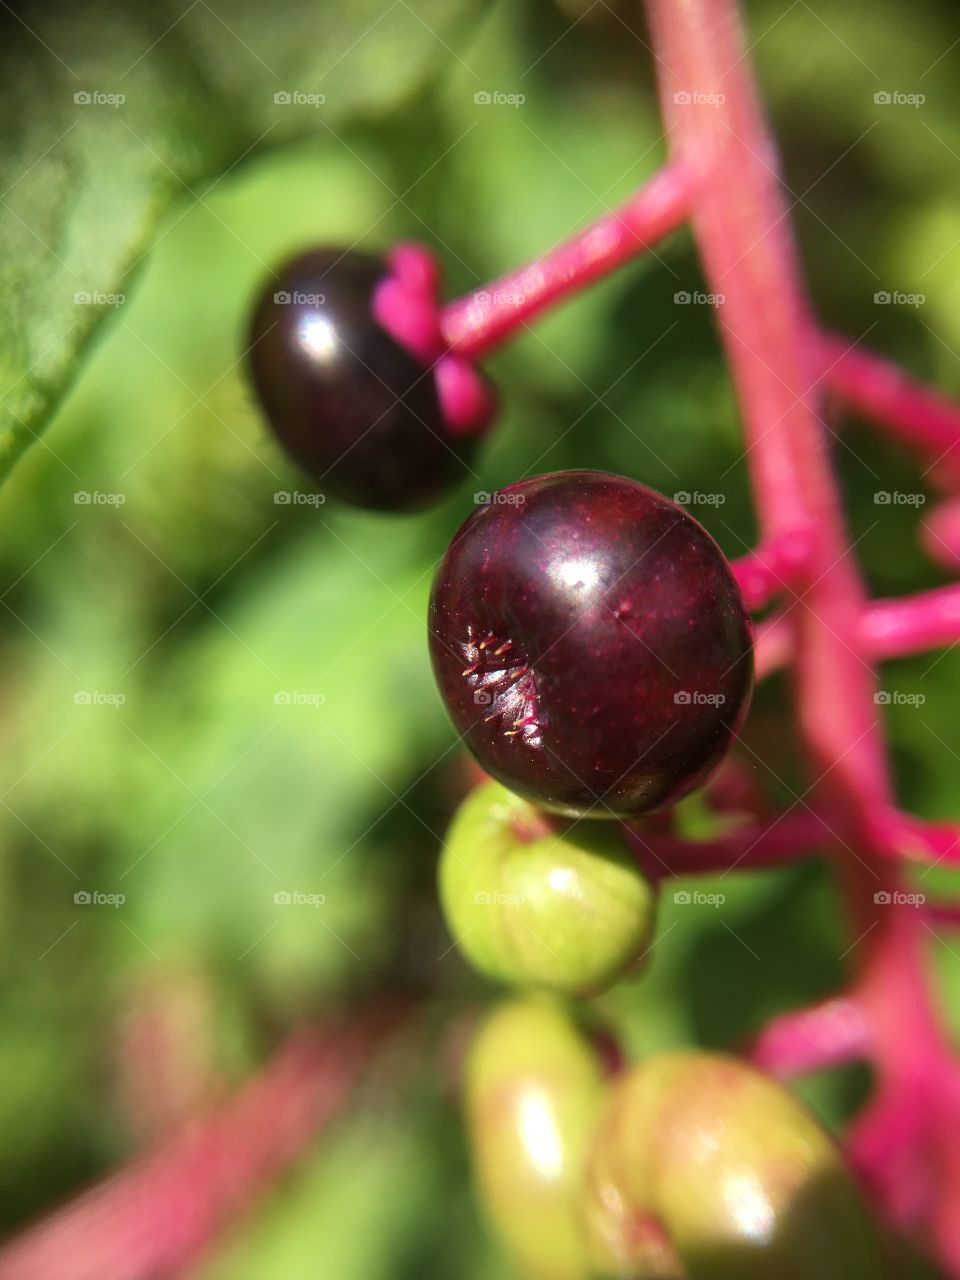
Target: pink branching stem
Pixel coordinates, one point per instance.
(792, 837)
(827, 1034)
(884, 394)
(888, 628)
(157, 1216)
(922, 841)
(772, 568)
(474, 324)
(912, 624)
(739, 219)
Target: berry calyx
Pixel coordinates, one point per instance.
(354, 406)
(590, 644)
(551, 905)
(703, 1168)
(533, 1090)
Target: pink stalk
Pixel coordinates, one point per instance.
(924, 841)
(912, 624)
(883, 393)
(159, 1215)
(825, 1035)
(476, 323)
(772, 568)
(888, 628)
(740, 223)
(793, 836)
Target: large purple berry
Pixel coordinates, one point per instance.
(356, 410)
(590, 644)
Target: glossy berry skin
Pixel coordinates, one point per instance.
(357, 411)
(533, 1092)
(590, 644)
(701, 1168)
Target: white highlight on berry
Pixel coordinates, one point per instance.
(749, 1206)
(318, 337)
(538, 1130)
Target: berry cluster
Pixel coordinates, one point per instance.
(593, 649)
(689, 1166)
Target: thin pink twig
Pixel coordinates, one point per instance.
(884, 394)
(150, 1220)
(825, 1035)
(791, 837)
(477, 322)
(888, 628)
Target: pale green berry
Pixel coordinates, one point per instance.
(705, 1169)
(534, 1086)
(550, 903)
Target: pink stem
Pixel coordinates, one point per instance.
(912, 624)
(913, 839)
(793, 836)
(151, 1220)
(772, 568)
(888, 628)
(773, 645)
(716, 127)
(474, 324)
(883, 393)
(825, 1035)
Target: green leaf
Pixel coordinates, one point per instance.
(115, 112)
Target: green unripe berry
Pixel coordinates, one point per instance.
(545, 903)
(533, 1091)
(705, 1169)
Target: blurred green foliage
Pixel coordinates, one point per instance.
(199, 599)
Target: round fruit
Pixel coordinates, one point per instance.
(590, 644)
(356, 410)
(555, 905)
(705, 1169)
(534, 1086)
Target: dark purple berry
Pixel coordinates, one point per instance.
(356, 410)
(591, 644)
